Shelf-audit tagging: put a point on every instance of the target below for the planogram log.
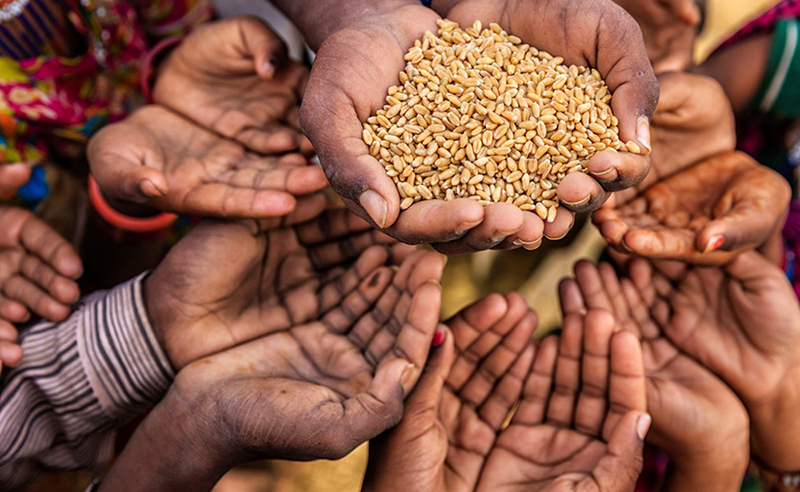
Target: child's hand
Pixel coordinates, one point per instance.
(705, 214)
(581, 422)
(38, 269)
(464, 396)
(158, 158)
(13, 176)
(697, 420)
(233, 77)
(743, 323)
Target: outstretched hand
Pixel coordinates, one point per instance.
(158, 158)
(38, 269)
(234, 77)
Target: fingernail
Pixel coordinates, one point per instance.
(408, 373)
(643, 132)
(580, 203)
(375, 206)
(149, 189)
(270, 68)
(609, 174)
(438, 337)
(464, 227)
(714, 243)
(643, 425)
(533, 246)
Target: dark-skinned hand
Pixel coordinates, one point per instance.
(312, 389)
(234, 77)
(38, 269)
(697, 419)
(452, 418)
(361, 60)
(160, 159)
(581, 424)
(743, 323)
(705, 214)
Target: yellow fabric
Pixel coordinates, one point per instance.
(723, 19)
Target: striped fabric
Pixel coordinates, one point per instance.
(78, 381)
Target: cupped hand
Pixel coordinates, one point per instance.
(229, 282)
(465, 394)
(234, 77)
(581, 422)
(354, 69)
(38, 269)
(697, 419)
(743, 323)
(158, 158)
(597, 34)
(669, 28)
(705, 214)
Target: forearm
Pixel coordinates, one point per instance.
(318, 20)
(698, 476)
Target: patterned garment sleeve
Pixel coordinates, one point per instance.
(166, 18)
(79, 380)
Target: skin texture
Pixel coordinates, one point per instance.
(469, 386)
(309, 390)
(230, 282)
(705, 214)
(360, 59)
(697, 419)
(158, 158)
(38, 269)
(669, 28)
(234, 77)
(13, 176)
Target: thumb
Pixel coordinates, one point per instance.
(751, 267)
(13, 177)
(269, 52)
(619, 469)
(428, 392)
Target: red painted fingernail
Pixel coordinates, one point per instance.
(438, 338)
(714, 244)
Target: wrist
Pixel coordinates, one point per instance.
(775, 428)
(708, 473)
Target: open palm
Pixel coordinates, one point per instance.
(158, 158)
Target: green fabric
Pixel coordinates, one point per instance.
(751, 484)
(787, 103)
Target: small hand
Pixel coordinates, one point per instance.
(464, 396)
(158, 158)
(230, 282)
(669, 28)
(580, 424)
(352, 73)
(38, 269)
(743, 323)
(697, 420)
(705, 214)
(233, 77)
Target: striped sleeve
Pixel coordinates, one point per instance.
(78, 380)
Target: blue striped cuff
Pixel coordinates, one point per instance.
(127, 368)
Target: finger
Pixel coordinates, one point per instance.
(272, 138)
(661, 244)
(27, 293)
(501, 400)
(326, 255)
(13, 311)
(7, 332)
(570, 297)
(437, 221)
(358, 301)
(501, 220)
(331, 225)
(268, 51)
(10, 354)
(592, 288)
(561, 409)
(13, 177)
(616, 171)
(593, 398)
(334, 289)
(222, 200)
(613, 289)
(290, 173)
(427, 396)
(619, 469)
(560, 226)
(538, 385)
(627, 384)
(580, 193)
(40, 239)
(60, 288)
(308, 207)
(529, 236)
(414, 341)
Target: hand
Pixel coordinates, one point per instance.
(38, 269)
(230, 282)
(468, 388)
(157, 158)
(13, 176)
(233, 77)
(743, 323)
(312, 390)
(697, 420)
(592, 33)
(706, 214)
(580, 424)
(354, 68)
(669, 28)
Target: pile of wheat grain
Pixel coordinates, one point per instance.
(480, 115)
